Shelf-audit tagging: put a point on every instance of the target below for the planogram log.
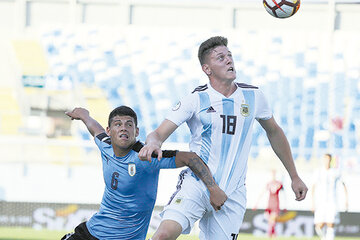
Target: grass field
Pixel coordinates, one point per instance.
(31, 234)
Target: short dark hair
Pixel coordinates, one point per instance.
(122, 111)
(207, 46)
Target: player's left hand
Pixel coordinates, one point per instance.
(148, 150)
(217, 197)
(299, 188)
(78, 113)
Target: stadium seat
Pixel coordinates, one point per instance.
(128, 73)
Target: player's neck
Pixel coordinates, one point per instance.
(121, 152)
(226, 87)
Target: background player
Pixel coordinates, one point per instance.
(220, 116)
(130, 184)
(273, 207)
(325, 199)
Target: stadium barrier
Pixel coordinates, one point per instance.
(61, 216)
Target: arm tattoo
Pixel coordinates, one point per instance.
(202, 171)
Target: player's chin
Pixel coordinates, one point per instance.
(231, 75)
(122, 143)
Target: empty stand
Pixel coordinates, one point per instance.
(306, 84)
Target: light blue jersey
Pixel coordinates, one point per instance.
(129, 196)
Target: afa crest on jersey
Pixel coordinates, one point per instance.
(245, 110)
(131, 169)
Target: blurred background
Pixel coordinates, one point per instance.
(59, 54)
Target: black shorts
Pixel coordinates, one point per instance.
(81, 233)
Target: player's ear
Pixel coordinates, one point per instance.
(206, 68)
(108, 131)
(136, 132)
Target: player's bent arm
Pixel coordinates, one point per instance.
(201, 170)
(155, 139)
(196, 164)
(281, 147)
(83, 114)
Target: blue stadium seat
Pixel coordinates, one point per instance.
(298, 84)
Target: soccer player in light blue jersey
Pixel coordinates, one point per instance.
(130, 184)
(220, 116)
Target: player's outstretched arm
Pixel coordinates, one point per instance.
(201, 170)
(83, 114)
(155, 139)
(281, 147)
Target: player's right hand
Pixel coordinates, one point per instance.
(217, 197)
(78, 113)
(299, 188)
(147, 150)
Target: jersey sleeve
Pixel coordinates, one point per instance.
(102, 140)
(163, 163)
(263, 111)
(183, 110)
(168, 160)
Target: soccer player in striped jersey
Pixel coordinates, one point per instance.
(130, 184)
(325, 199)
(220, 116)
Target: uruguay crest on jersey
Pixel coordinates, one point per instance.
(131, 169)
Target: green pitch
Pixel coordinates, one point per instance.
(31, 234)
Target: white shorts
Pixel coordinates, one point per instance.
(326, 213)
(191, 202)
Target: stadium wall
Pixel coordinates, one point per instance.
(56, 216)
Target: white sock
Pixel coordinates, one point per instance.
(330, 233)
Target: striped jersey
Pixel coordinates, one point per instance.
(129, 195)
(327, 182)
(221, 129)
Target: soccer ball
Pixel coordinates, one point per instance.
(281, 8)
